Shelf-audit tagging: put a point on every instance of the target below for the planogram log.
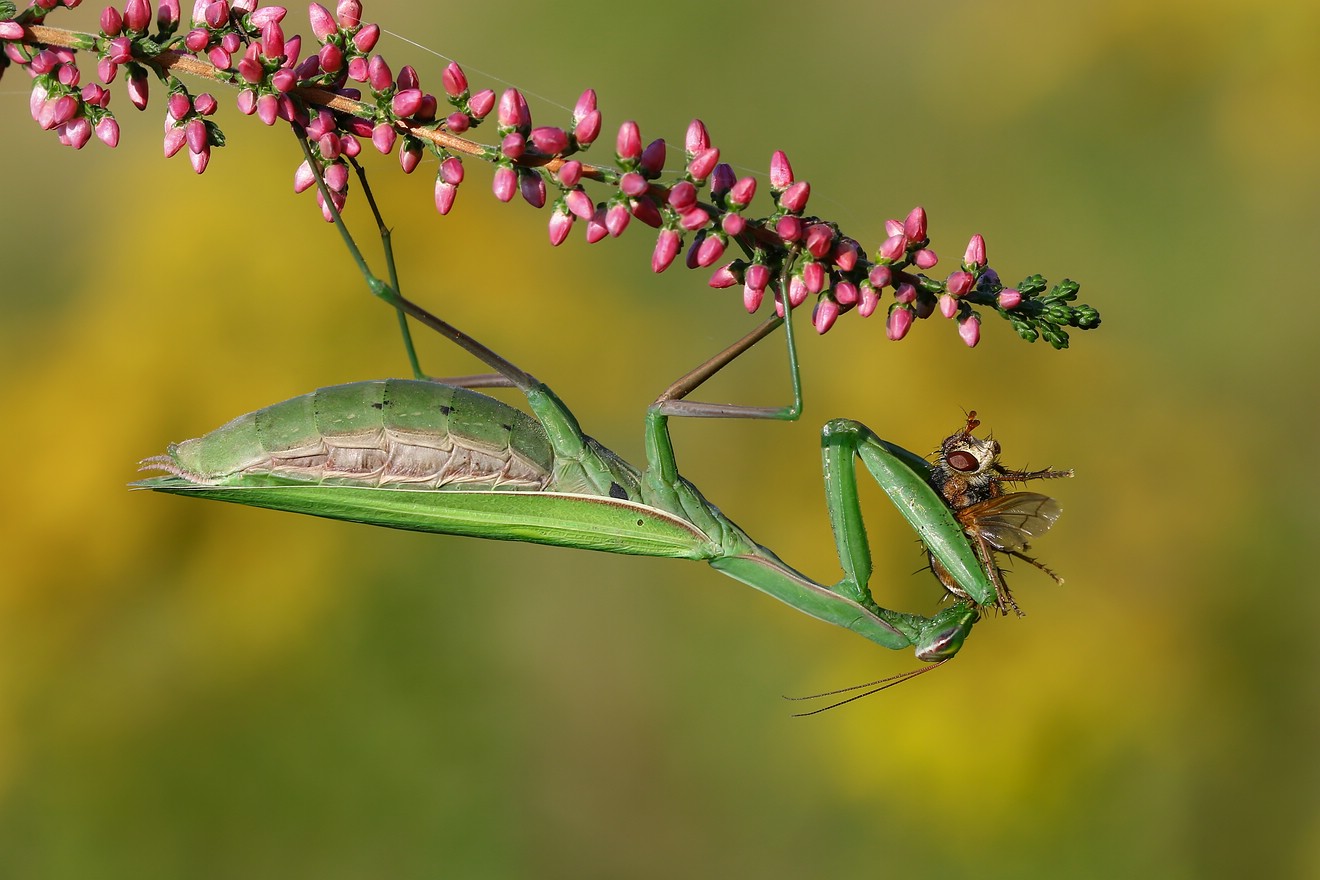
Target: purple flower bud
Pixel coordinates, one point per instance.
(588, 129)
(722, 179)
(752, 297)
(379, 75)
(894, 249)
(454, 80)
(108, 131)
(505, 183)
(199, 161)
(723, 277)
(406, 102)
(914, 227)
(323, 24)
(268, 108)
(845, 293)
(880, 277)
(445, 193)
(789, 228)
(813, 275)
(709, 251)
(900, 321)
(510, 112)
(580, 204)
(925, 307)
(481, 103)
(111, 24)
(561, 222)
(410, 156)
(693, 219)
(797, 291)
(365, 40)
(633, 184)
(644, 209)
(652, 162)
(349, 13)
(948, 305)
(795, 197)
(925, 258)
(970, 331)
(174, 140)
(683, 196)
(733, 224)
(870, 298)
(960, 283)
(905, 293)
(704, 163)
(332, 58)
(586, 105)
(178, 106)
(826, 313)
(975, 255)
(570, 172)
(1010, 298)
(697, 139)
(550, 140)
(532, 186)
(628, 143)
(666, 249)
(743, 192)
(781, 173)
(820, 240)
(596, 228)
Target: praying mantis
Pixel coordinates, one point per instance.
(442, 457)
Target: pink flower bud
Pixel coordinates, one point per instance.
(349, 13)
(644, 209)
(894, 227)
(845, 293)
(12, 30)
(925, 258)
(120, 51)
(454, 80)
(580, 204)
(205, 104)
(266, 15)
(733, 224)
(108, 131)
(758, 275)
(481, 103)
(914, 227)
(588, 129)
(410, 156)
(596, 228)
(820, 240)
(960, 283)
(513, 145)
(970, 331)
(723, 277)
(105, 70)
(797, 291)
(813, 275)
(633, 184)
(666, 249)
(752, 297)
(199, 161)
(570, 172)
(174, 140)
(781, 173)
(900, 321)
(652, 161)
(457, 122)
(505, 183)
(272, 40)
(704, 163)
(870, 299)
(451, 170)
(795, 197)
(743, 192)
(323, 24)
(532, 187)
(975, 255)
(510, 111)
(617, 219)
(880, 277)
(365, 40)
(379, 75)
(406, 102)
(905, 293)
(948, 305)
(845, 254)
(1010, 298)
(789, 228)
(178, 106)
(697, 139)
(284, 80)
(216, 15)
(586, 105)
(231, 42)
(76, 132)
(111, 24)
(683, 196)
(167, 14)
(826, 313)
(561, 222)
(137, 15)
(268, 108)
(693, 219)
(336, 177)
(894, 248)
(219, 57)
(332, 58)
(137, 90)
(549, 140)
(445, 194)
(709, 251)
(195, 131)
(628, 143)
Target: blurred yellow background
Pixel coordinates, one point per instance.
(212, 691)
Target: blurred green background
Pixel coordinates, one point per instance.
(211, 691)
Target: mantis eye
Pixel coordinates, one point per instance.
(962, 461)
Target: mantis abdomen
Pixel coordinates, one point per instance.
(391, 432)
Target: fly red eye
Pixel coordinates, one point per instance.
(962, 461)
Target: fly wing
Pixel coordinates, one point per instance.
(1009, 522)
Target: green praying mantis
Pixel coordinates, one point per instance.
(441, 457)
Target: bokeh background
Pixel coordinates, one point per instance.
(212, 691)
